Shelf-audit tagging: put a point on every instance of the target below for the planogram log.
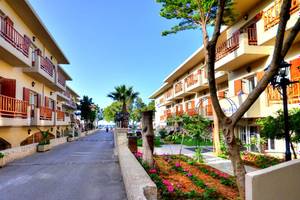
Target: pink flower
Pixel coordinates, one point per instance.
(177, 165)
(166, 182)
(170, 188)
(185, 170)
(189, 175)
(139, 154)
(152, 171)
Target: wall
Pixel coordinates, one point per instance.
(280, 182)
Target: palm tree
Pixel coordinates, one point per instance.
(126, 96)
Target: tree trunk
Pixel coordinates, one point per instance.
(125, 118)
(236, 160)
(216, 134)
(293, 149)
(148, 137)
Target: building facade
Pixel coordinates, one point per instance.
(243, 51)
(33, 91)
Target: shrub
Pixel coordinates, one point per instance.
(163, 133)
(45, 138)
(260, 160)
(2, 155)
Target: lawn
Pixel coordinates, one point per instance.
(188, 141)
(179, 177)
(157, 142)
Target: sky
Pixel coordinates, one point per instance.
(109, 43)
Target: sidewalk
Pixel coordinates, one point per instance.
(209, 158)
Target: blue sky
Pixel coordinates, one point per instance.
(115, 42)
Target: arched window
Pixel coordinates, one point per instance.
(35, 138)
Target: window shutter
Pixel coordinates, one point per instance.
(26, 94)
(221, 94)
(259, 75)
(209, 107)
(295, 69)
(8, 87)
(237, 87)
(192, 104)
(39, 100)
(46, 102)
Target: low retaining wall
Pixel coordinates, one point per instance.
(138, 184)
(58, 141)
(19, 152)
(277, 182)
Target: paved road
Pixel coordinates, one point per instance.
(81, 170)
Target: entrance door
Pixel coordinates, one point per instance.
(33, 102)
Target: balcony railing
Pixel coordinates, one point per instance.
(233, 43)
(45, 113)
(11, 35)
(61, 79)
(179, 112)
(11, 107)
(271, 16)
(191, 80)
(47, 66)
(169, 93)
(192, 112)
(228, 46)
(293, 92)
(168, 113)
(178, 87)
(60, 115)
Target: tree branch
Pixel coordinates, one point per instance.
(273, 68)
(218, 21)
(289, 41)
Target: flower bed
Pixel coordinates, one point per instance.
(179, 177)
(260, 160)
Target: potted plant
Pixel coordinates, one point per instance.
(70, 138)
(44, 144)
(2, 159)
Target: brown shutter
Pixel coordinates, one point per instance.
(26, 94)
(221, 94)
(259, 75)
(209, 107)
(295, 69)
(8, 87)
(237, 87)
(46, 102)
(38, 100)
(193, 105)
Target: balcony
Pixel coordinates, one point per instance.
(271, 15)
(70, 104)
(61, 80)
(293, 92)
(42, 116)
(14, 112)
(62, 118)
(169, 95)
(240, 49)
(179, 89)
(63, 96)
(14, 48)
(43, 70)
(192, 112)
(168, 113)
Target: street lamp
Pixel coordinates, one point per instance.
(281, 81)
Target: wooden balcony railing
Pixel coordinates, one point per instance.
(191, 80)
(179, 112)
(11, 107)
(169, 93)
(168, 113)
(271, 16)
(228, 46)
(45, 113)
(11, 35)
(252, 36)
(60, 115)
(293, 92)
(47, 66)
(178, 87)
(61, 79)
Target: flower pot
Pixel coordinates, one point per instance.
(2, 162)
(43, 148)
(70, 139)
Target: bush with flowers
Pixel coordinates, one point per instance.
(260, 160)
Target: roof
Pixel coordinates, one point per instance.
(33, 21)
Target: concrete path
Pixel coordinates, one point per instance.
(209, 158)
(81, 170)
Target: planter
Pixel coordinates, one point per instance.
(43, 148)
(70, 139)
(2, 162)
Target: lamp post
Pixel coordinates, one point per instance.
(282, 81)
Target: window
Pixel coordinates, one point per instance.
(248, 84)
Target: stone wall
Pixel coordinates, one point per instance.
(277, 182)
(138, 184)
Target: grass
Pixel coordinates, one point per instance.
(157, 142)
(188, 141)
